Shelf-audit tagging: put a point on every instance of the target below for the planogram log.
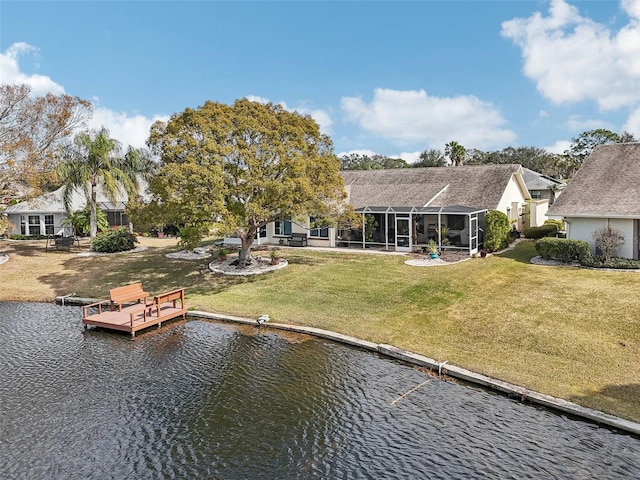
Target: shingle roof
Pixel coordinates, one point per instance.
(52, 202)
(480, 186)
(538, 181)
(606, 185)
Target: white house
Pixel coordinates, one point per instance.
(605, 191)
(403, 208)
(43, 215)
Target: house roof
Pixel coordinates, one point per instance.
(538, 181)
(479, 186)
(606, 185)
(52, 202)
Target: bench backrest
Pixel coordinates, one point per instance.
(128, 293)
(170, 297)
(298, 235)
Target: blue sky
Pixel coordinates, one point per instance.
(387, 77)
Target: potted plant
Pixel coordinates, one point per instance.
(222, 254)
(432, 248)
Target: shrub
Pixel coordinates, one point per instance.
(594, 261)
(548, 230)
(559, 223)
(190, 237)
(28, 237)
(608, 239)
(116, 240)
(563, 250)
(498, 229)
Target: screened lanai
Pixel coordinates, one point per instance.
(410, 228)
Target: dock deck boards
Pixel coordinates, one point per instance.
(138, 316)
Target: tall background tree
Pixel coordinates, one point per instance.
(242, 166)
(582, 145)
(96, 160)
(31, 131)
(430, 158)
(456, 153)
(357, 161)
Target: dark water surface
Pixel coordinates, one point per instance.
(203, 400)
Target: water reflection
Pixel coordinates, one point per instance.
(204, 400)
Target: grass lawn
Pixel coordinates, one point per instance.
(568, 332)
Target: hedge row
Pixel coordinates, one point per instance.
(562, 249)
(614, 262)
(547, 230)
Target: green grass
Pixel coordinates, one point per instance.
(568, 332)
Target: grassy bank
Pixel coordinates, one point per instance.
(568, 332)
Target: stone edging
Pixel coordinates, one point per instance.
(548, 401)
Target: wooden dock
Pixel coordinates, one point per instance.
(117, 314)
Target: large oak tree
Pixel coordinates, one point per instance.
(31, 131)
(243, 166)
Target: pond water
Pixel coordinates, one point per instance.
(206, 400)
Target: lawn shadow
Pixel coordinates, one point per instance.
(619, 400)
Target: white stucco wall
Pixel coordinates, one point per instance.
(583, 228)
(512, 194)
(538, 212)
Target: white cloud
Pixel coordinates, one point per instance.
(321, 117)
(10, 71)
(368, 153)
(578, 124)
(411, 116)
(572, 58)
(559, 147)
(128, 129)
(543, 114)
(633, 123)
(410, 157)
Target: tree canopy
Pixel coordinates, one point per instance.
(357, 161)
(94, 159)
(430, 158)
(242, 166)
(32, 129)
(456, 153)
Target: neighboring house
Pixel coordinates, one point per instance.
(604, 191)
(543, 190)
(542, 187)
(43, 215)
(402, 208)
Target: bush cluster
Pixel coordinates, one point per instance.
(547, 230)
(28, 237)
(116, 240)
(558, 223)
(599, 261)
(562, 249)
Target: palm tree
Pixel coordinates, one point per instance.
(455, 152)
(94, 159)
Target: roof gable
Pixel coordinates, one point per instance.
(606, 185)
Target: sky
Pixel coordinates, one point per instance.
(380, 77)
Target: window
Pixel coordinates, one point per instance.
(34, 224)
(23, 225)
(455, 222)
(282, 228)
(536, 194)
(48, 224)
(321, 232)
(262, 232)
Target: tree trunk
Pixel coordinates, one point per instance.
(246, 240)
(93, 218)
